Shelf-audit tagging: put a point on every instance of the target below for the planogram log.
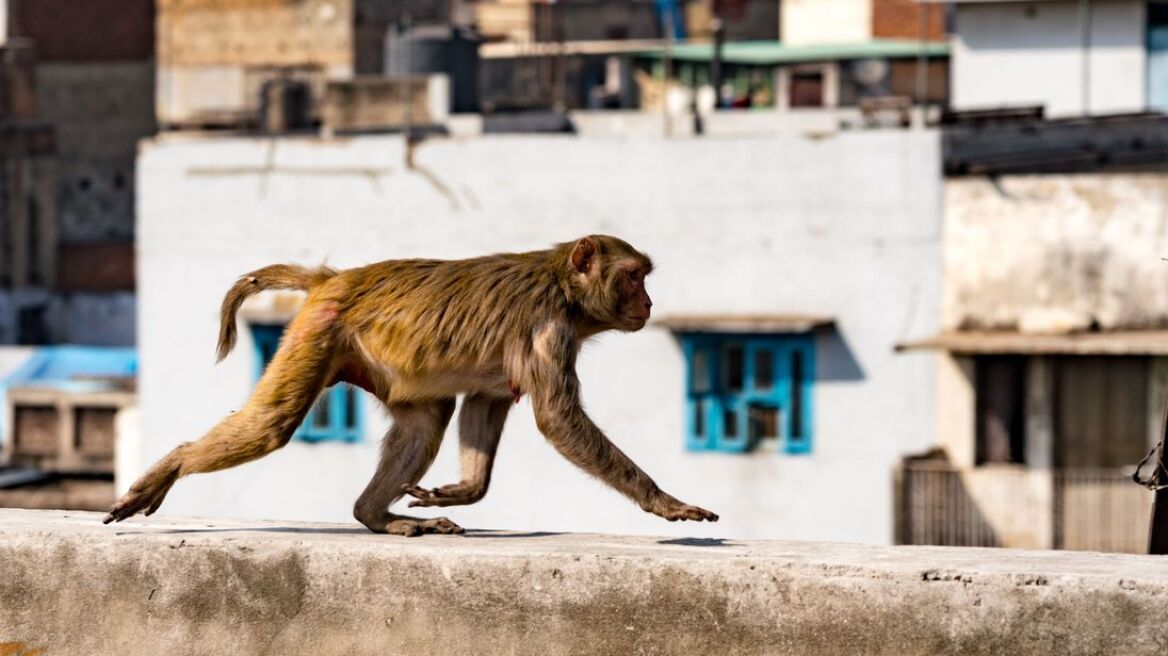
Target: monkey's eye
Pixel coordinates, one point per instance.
(634, 276)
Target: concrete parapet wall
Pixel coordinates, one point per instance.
(73, 586)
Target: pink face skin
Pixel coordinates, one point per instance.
(637, 302)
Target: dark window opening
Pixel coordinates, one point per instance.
(764, 421)
(730, 423)
(806, 90)
(764, 369)
(796, 395)
(700, 371)
(320, 412)
(33, 250)
(350, 413)
(1001, 410)
(32, 326)
(734, 368)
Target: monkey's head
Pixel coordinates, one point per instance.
(606, 282)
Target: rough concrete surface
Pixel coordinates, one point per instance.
(69, 585)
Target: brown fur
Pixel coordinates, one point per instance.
(417, 333)
(276, 276)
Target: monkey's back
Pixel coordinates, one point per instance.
(424, 316)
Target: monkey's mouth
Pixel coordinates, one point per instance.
(636, 321)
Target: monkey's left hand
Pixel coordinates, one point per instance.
(673, 510)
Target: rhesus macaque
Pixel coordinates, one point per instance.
(416, 333)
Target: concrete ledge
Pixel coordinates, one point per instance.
(69, 585)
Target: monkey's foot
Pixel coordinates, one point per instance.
(455, 494)
(412, 526)
(144, 496)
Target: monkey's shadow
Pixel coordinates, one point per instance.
(470, 533)
(496, 533)
(699, 542)
(340, 530)
(344, 530)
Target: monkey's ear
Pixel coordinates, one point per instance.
(583, 253)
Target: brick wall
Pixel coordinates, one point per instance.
(901, 19)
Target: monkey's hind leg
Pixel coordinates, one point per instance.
(407, 452)
(285, 393)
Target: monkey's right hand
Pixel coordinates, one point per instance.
(674, 510)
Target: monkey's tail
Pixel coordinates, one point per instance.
(276, 276)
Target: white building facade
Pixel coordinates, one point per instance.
(1074, 57)
(844, 229)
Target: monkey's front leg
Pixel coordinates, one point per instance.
(480, 423)
(555, 398)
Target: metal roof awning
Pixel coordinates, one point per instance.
(743, 323)
(773, 53)
(1116, 342)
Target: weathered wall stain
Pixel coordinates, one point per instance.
(1055, 253)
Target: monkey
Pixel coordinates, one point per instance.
(416, 334)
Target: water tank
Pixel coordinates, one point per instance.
(445, 49)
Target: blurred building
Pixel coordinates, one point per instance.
(83, 74)
(834, 22)
(66, 412)
(1071, 57)
(768, 389)
(774, 75)
(1054, 372)
(1056, 366)
(847, 57)
(221, 64)
(531, 21)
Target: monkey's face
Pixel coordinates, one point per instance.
(634, 305)
(610, 282)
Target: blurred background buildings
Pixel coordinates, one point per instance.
(909, 278)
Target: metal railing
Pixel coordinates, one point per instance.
(1087, 509)
(1100, 510)
(936, 508)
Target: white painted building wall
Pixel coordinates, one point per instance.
(808, 22)
(846, 226)
(1026, 53)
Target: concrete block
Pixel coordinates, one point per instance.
(73, 586)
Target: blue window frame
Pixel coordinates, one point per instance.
(336, 415)
(743, 389)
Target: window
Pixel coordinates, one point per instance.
(744, 389)
(806, 90)
(1001, 410)
(336, 416)
(1096, 409)
(1157, 66)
